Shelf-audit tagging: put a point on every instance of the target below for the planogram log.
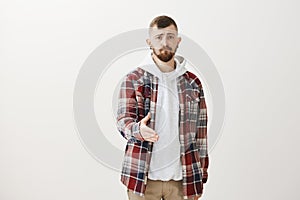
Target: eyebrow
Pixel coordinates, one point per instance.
(164, 33)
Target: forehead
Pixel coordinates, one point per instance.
(159, 31)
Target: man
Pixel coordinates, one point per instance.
(162, 114)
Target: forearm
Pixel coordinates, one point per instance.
(127, 116)
(128, 127)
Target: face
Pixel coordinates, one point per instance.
(164, 42)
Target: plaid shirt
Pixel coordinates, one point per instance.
(140, 85)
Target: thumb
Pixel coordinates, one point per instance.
(146, 119)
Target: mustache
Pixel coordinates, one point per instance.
(166, 48)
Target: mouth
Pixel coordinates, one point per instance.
(166, 49)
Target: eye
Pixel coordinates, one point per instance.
(171, 37)
(158, 37)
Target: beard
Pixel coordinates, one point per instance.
(164, 54)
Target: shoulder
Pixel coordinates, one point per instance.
(193, 79)
(135, 74)
(138, 74)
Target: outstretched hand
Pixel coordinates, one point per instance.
(147, 133)
(197, 197)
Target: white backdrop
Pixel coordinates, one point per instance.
(254, 45)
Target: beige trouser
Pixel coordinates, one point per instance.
(157, 190)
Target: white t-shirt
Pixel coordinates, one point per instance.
(165, 161)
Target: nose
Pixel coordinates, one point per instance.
(164, 41)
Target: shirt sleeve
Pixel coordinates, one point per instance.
(127, 114)
(202, 134)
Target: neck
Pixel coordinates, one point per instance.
(164, 66)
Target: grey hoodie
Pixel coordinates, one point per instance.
(165, 163)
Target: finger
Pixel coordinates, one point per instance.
(156, 138)
(146, 118)
(152, 138)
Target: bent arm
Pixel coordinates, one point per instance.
(127, 114)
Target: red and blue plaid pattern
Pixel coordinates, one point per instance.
(140, 85)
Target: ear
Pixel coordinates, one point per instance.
(178, 40)
(148, 42)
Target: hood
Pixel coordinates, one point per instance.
(149, 65)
